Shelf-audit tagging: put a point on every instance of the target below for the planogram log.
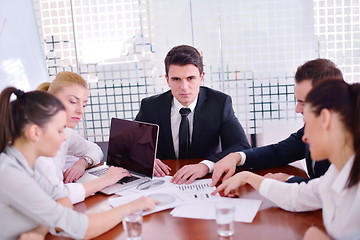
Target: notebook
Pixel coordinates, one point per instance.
(132, 145)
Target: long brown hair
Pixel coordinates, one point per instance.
(344, 99)
(35, 107)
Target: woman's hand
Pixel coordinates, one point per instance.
(230, 186)
(74, 172)
(314, 233)
(143, 204)
(37, 233)
(114, 174)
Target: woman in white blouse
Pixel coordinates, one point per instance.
(332, 130)
(33, 125)
(72, 90)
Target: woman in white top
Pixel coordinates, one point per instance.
(33, 126)
(72, 90)
(332, 130)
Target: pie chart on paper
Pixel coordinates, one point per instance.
(163, 198)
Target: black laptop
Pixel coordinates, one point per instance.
(132, 145)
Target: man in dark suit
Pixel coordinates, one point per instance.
(211, 127)
(291, 149)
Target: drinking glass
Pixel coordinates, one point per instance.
(225, 218)
(133, 225)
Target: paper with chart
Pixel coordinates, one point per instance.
(199, 190)
(245, 209)
(168, 194)
(195, 191)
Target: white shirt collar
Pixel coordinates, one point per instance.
(178, 105)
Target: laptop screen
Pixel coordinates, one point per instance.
(132, 145)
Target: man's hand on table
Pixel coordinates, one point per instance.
(161, 169)
(188, 173)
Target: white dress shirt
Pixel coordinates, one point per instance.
(53, 168)
(175, 118)
(27, 200)
(340, 205)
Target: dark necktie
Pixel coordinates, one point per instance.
(184, 134)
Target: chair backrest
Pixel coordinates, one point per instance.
(104, 148)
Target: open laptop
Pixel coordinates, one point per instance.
(132, 145)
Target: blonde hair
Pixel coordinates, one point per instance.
(62, 80)
(43, 87)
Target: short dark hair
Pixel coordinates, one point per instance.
(183, 55)
(344, 99)
(316, 70)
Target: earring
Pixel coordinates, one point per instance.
(37, 140)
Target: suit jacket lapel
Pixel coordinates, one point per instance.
(164, 116)
(199, 119)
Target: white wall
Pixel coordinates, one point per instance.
(22, 61)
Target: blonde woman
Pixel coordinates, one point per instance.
(72, 90)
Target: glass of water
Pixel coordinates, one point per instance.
(132, 224)
(225, 218)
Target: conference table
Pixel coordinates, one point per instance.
(270, 222)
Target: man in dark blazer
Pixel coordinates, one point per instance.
(291, 149)
(214, 130)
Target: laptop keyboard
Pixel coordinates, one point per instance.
(102, 171)
(127, 179)
(99, 172)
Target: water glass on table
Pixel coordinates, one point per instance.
(225, 218)
(132, 224)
